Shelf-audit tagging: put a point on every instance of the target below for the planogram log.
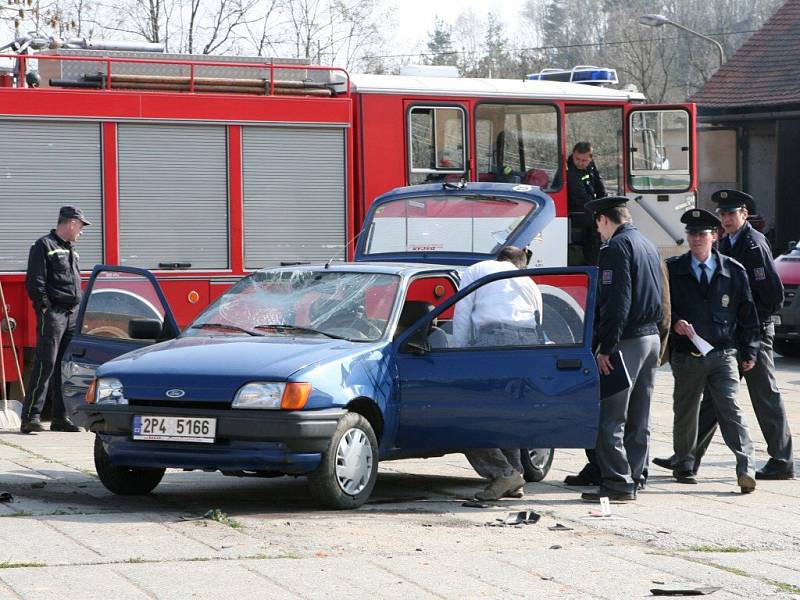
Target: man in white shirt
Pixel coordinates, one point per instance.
(502, 313)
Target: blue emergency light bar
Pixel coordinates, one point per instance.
(580, 74)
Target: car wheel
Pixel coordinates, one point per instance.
(348, 470)
(536, 463)
(787, 348)
(125, 481)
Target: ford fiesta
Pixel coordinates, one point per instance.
(325, 370)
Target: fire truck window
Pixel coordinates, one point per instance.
(517, 144)
(601, 127)
(659, 150)
(436, 140)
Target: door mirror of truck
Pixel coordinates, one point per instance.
(145, 329)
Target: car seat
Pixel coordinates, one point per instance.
(414, 310)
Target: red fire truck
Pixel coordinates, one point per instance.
(204, 169)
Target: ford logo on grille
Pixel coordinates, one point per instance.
(175, 393)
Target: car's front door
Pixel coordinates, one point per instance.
(503, 386)
(120, 307)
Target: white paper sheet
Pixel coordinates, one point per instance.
(703, 347)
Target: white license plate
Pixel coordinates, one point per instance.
(174, 429)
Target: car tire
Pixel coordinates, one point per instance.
(787, 348)
(349, 467)
(125, 481)
(535, 467)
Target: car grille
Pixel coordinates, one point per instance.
(181, 404)
(789, 292)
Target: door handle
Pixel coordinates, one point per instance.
(568, 364)
(79, 352)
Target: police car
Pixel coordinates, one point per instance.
(325, 370)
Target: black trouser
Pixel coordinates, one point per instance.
(54, 330)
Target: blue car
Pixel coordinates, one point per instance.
(325, 370)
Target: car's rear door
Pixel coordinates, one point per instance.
(115, 301)
(529, 392)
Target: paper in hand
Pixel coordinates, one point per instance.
(703, 347)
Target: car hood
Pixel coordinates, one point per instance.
(213, 368)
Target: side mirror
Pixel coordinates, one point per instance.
(145, 329)
(792, 245)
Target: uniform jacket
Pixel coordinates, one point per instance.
(753, 251)
(582, 185)
(725, 317)
(53, 277)
(629, 301)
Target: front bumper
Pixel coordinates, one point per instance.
(286, 441)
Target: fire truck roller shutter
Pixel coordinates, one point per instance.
(173, 195)
(43, 166)
(294, 194)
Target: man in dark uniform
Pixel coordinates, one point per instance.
(711, 301)
(53, 282)
(583, 184)
(748, 246)
(628, 313)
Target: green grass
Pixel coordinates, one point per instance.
(715, 549)
(784, 587)
(20, 565)
(216, 514)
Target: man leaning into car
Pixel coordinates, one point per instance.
(501, 313)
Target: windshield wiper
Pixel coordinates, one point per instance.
(284, 328)
(224, 326)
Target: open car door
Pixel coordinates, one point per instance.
(123, 309)
(534, 387)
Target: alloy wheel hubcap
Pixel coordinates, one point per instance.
(353, 462)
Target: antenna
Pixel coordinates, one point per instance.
(346, 246)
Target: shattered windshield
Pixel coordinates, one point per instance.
(351, 306)
(474, 224)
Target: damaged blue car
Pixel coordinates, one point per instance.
(325, 370)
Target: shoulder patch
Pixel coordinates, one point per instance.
(606, 277)
(759, 274)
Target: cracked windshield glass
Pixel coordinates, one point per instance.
(325, 304)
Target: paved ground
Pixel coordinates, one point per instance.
(64, 536)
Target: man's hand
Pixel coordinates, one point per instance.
(604, 364)
(683, 328)
(747, 365)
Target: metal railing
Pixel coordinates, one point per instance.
(191, 83)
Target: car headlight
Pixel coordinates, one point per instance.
(108, 390)
(272, 395)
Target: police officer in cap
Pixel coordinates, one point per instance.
(53, 282)
(711, 299)
(628, 313)
(751, 248)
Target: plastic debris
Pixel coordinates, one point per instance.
(701, 591)
(559, 527)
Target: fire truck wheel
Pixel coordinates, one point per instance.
(125, 481)
(787, 348)
(536, 463)
(348, 470)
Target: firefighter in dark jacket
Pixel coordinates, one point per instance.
(711, 301)
(583, 185)
(53, 282)
(748, 246)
